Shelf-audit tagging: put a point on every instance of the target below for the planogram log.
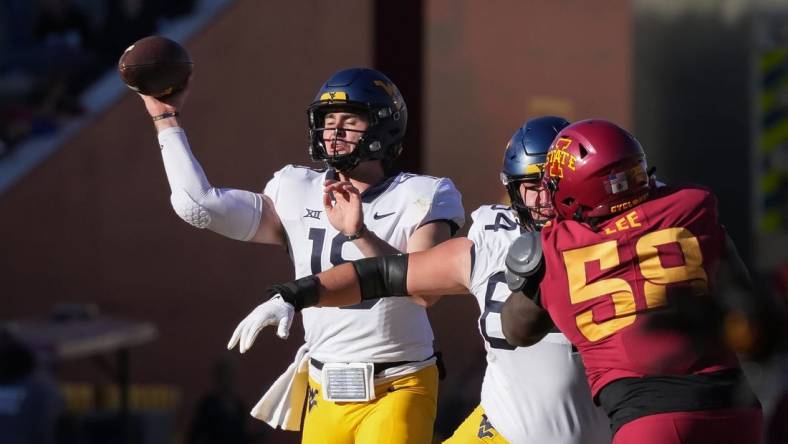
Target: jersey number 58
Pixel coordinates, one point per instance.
(657, 277)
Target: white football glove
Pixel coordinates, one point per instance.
(274, 311)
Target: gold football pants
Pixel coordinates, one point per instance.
(403, 412)
(476, 429)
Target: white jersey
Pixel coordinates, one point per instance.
(529, 394)
(379, 330)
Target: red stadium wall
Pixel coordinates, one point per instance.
(492, 65)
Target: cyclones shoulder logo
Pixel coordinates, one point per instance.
(558, 157)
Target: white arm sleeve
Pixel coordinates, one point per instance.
(229, 212)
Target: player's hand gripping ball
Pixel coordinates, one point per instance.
(155, 66)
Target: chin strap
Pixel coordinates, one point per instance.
(344, 163)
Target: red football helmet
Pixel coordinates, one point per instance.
(594, 169)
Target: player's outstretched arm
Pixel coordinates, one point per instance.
(753, 320)
(444, 269)
(428, 236)
(739, 314)
(523, 321)
(237, 214)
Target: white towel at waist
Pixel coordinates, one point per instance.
(282, 405)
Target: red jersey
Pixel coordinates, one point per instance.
(601, 286)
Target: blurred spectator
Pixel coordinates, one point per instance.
(221, 415)
(777, 423)
(52, 50)
(30, 403)
(45, 68)
(126, 22)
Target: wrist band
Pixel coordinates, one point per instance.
(165, 116)
(357, 234)
(301, 293)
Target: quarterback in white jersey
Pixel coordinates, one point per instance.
(371, 367)
(534, 394)
(382, 330)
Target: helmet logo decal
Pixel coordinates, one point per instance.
(391, 90)
(558, 157)
(388, 87)
(624, 180)
(617, 183)
(534, 168)
(331, 96)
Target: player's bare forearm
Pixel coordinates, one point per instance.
(426, 237)
(440, 270)
(524, 323)
(339, 286)
(444, 269)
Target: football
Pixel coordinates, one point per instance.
(155, 66)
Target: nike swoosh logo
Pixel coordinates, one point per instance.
(381, 216)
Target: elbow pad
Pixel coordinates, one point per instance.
(232, 213)
(383, 276)
(525, 264)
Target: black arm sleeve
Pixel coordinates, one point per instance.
(301, 293)
(383, 276)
